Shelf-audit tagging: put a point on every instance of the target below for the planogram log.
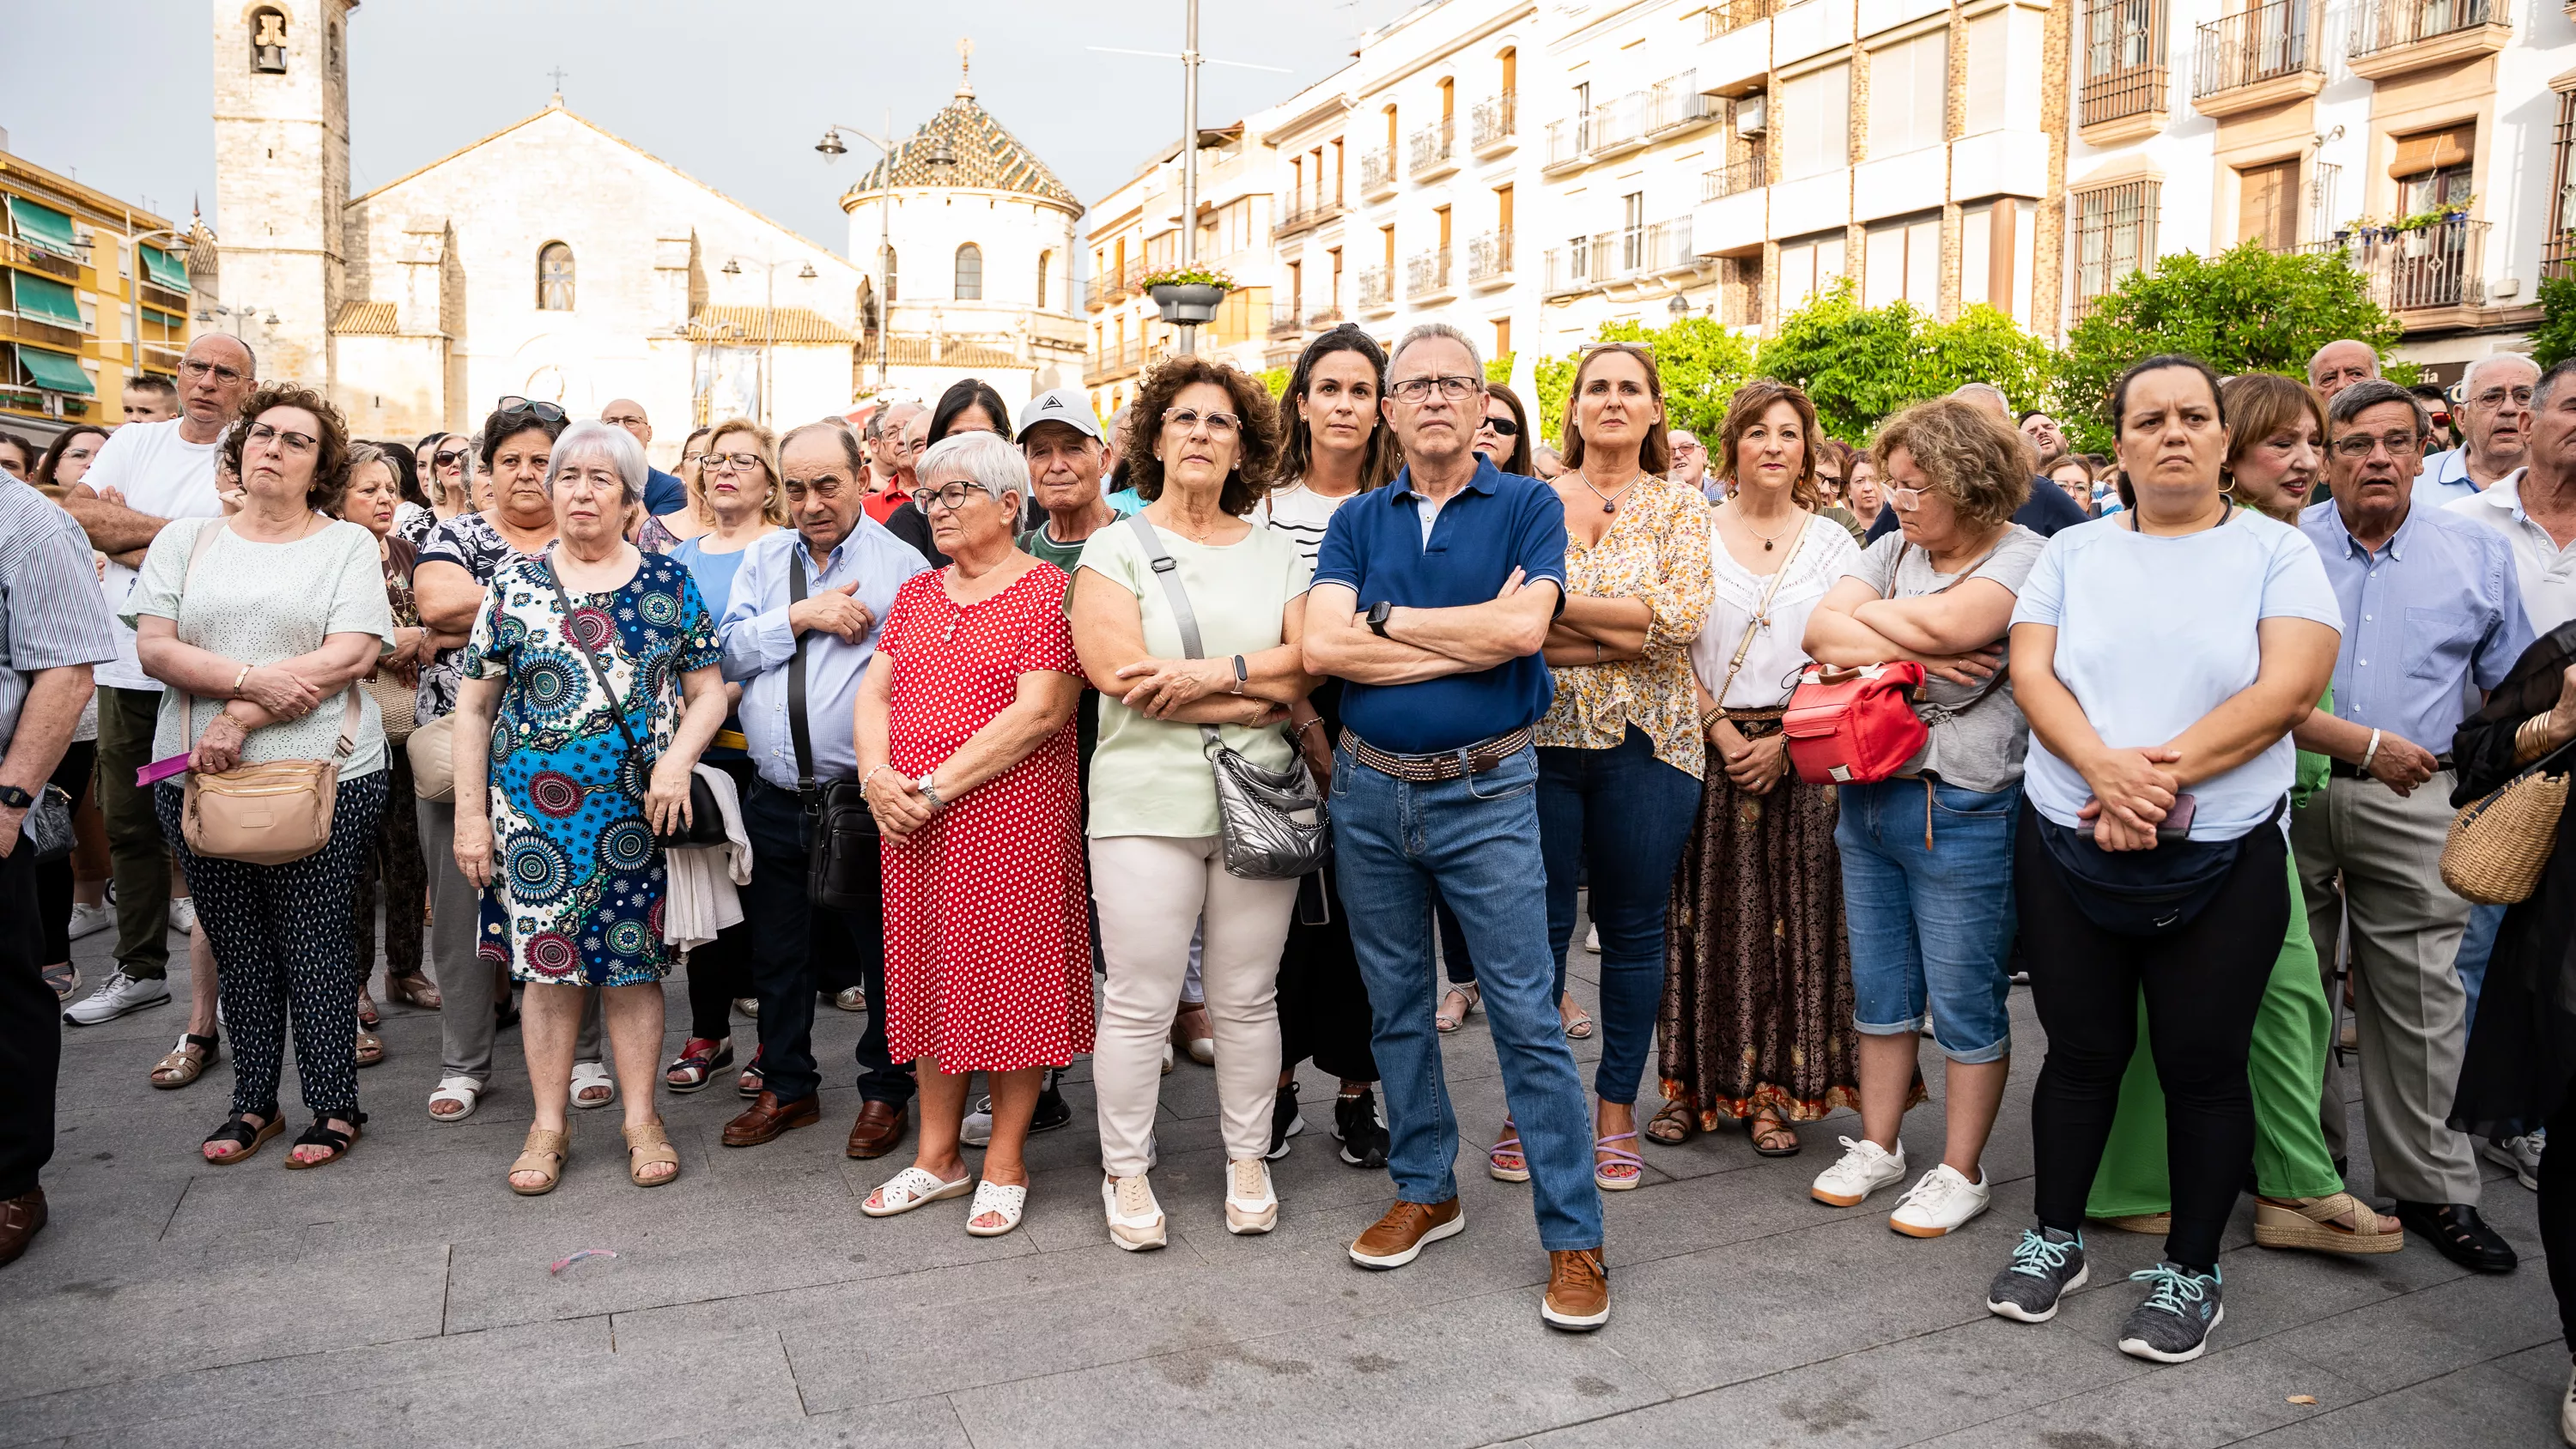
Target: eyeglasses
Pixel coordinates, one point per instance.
(2494, 397)
(545, 411)
(692, 457)
(1452, 389)
(1503, 427)
(1219, 425)
(197, 371)
(2358, 446)
(950, 496)
(1908, 499)
(738, 462)
(261, 434)
(1702, 448)
(447, 457)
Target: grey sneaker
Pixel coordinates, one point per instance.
(2048, 1265)
(2173, 1325)
(976, 1128)
(2522, 1154)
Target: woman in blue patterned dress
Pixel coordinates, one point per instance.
(575, 674)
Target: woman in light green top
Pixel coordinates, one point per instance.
(1197, 437)
(2275, 458)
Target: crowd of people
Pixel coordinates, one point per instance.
(1240, 729)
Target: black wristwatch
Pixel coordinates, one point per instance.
(1377, 616)
(15, 798)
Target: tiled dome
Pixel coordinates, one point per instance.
(988, 156)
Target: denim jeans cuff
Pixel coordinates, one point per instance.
(1976, 1056)
(1908, 1027)
(1548, 1245)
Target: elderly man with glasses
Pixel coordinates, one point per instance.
(2431, 613)
(1690, 462)
(2495, 431)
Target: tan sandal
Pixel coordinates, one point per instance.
(544, 1152)
(186, 1062)
(370, 1049)
(2146, 1225)
(2310, 1223)
(650, 1146)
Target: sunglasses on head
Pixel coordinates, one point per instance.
(545, 411)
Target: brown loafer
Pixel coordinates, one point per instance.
(21, 1218)
(879, 1130)
(766, 1117)
(1399, 1237)
(1578, 1291)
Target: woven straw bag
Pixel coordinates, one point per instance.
(2498, 844)
(396, 701)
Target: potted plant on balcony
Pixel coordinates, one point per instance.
(1188, 296)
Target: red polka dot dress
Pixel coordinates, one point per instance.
(987, 934)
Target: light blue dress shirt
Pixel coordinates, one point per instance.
(2434, 614)
(2444, 479)
(759, 646)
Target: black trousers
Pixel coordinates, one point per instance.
(2557, 1212)
(798, 945)
(54, 880)
(31, 1031)
(720, 970)
(2202, 985)
(1323, 1003)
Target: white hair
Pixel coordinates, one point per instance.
(1984, 389)
(2469, 379)
(583, 439)
(1424, 332)
(987, 460)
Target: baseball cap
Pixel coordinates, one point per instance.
(1064, 405)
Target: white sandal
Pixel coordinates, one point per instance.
(456, 1089)
(911, 1188)
(1002, 1200)
(592, 1074)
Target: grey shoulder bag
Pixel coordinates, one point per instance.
(1273, 821)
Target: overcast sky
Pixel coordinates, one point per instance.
(734, 92)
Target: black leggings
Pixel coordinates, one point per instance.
(54, 877)
(2558, 1213)
(719, 971)
(2202, 984)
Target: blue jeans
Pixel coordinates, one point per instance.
(1631, 814)
(2477, 943)
(1930, 925)
(1476, 836)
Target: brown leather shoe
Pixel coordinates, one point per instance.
(879, 1130)
(766, 1117)
(21, 1218)
(1578, 1291)
(1397, 1238)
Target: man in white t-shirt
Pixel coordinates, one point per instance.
(147, 474)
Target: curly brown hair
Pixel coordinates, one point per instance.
(1256, 454)
(331, 448)
(1973, 458)
(1751, 402)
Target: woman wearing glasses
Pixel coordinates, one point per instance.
(1505, 435)
(1202, 440)
(665, 534)
(444, 459)
(971, 405)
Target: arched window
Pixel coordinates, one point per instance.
(893, 295)
(970, 273)
(1046, 260)
(554, 278)
(268, 41)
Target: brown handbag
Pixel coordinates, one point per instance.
(265, 814)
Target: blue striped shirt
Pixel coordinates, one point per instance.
(51, 614)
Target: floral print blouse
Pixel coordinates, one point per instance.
(1656, 550)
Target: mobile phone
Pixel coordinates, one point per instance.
(2175, 826)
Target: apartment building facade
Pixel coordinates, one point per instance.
(2425, 141)
(92, 291)
(1136, 230)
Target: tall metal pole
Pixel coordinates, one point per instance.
(1190, 160)
(768, 338)
(885, 264)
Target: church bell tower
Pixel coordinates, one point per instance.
(282, 176)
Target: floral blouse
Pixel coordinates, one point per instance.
(1656, 550)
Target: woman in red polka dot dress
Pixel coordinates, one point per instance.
(966, 756)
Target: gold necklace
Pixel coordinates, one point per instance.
(1768, 539)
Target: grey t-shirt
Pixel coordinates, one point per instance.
(1980, 749)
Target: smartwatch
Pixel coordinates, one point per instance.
(15, 798)
(1377, 616)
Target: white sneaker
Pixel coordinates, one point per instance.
(1943, 1200)
(2567, 1411)
(1592, 939)
(976, 1129)
(1865, 1168)
(2522, 1154)
(1250, 1204)
(90, 920)
(116, 996)
(183, 914)
(1135, 1219)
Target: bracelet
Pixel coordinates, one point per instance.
(1711, 717)
(1596, 651)
(1310, 724)
(870, 775)
(2371, 753)
(237, 681)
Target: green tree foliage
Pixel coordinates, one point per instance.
(1702, 364)
(1276, 379)
(2554, 340)
(1859, 364)
(1499, 369)
(2247, 310)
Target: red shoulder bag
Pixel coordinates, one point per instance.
(1854, 726)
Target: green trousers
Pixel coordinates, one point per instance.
(2286, 1069)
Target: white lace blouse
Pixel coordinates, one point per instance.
(1823, 554)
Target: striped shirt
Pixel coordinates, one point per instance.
(1302, 514)
(51, 615)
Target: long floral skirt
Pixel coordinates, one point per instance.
(1757, 1009)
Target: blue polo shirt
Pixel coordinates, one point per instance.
(1375, 547)
(664, 493)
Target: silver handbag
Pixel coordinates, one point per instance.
(1273, 822)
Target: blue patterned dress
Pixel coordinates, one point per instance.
(577, 886)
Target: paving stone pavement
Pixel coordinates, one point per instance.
(403, 1297)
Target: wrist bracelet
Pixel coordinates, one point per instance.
(870, 775)
(1310, 724)
(237, 681)
(2371, 753)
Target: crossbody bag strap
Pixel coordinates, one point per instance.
(1761, 616)
(1939, 714)
(350, 714)
(598, 670)
(1168, 570)
(797, 728)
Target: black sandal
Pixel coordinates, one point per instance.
(322, 1135)
(242, 1135)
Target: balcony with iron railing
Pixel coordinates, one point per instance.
(1676, 105)
(1618, 126)
(1284, 319)
(1567, 142)
(1496, 124)
(2258, 57)
(1489, 258)
(1733, 15)
(2393, 37)
(1376, 291)
(1307, 213)
(1114, 360)
(19, 252)
(1426, 277)
(2120, 55)
(1668, 246)
(2416, 270)
(1100, 291)
(1434, 150)
(1566, 269)
(1377, 173)
(1750, 174)
(1328, 314)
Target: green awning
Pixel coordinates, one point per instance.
(45, 299)
(163, 270)
(56, 372)
(44, 226)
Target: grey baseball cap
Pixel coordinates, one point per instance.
(1064, 405)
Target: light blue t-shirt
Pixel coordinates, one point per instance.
(2154, 632)
(713, 571)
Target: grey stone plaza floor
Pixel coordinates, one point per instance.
(403, 1297)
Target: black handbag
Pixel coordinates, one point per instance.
(2145, 893)
(841, 868)
(706, 821)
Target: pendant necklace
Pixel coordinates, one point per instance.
(1609, 504)
(1769, 538)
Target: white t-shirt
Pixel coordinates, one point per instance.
(162, 474)
(2155, 632)
(1822, 555)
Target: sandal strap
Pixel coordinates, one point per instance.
(651, 1134)
(189, 1039)
(323, 1134)
(238, 1132)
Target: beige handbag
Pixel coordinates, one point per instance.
(265, 814)
(396, 701)
(2498, 844)
(432, 748)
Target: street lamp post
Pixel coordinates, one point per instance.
(938, 154)
(768, 320)
(1190, 161)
